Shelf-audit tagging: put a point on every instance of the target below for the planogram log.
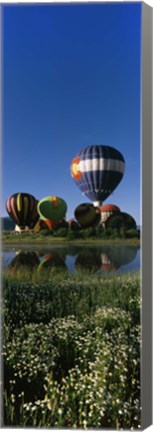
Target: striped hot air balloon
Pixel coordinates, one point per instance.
(97, 171)
(22, 208)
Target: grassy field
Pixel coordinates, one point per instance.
(82, 236)
(71, 349)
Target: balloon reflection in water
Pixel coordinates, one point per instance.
(106, 258)
(27, 260)
(52, 261)
(106, 264)
(122, 255)
(88, 260)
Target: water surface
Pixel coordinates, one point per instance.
(106, 258)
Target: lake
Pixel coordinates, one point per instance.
(105, 258)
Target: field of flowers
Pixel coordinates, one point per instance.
(71, 350)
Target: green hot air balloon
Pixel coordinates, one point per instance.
(52, 208)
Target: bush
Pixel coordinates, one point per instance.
(88, 233)
(133, 233)
(73, 234)
(61, 232)
(75, 374)
(123, 232)
(46, 232)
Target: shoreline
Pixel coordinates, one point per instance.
(65, 242)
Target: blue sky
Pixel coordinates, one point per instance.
(71, 78)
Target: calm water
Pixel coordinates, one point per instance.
(106, 258)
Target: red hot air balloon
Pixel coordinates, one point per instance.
(22, 208)
(107, 210)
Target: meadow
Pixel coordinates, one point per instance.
(79, 235)
(71, 349)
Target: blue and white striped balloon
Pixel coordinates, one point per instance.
(97, 171)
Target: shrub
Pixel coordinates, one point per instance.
(133, 233)
(46, 232)
(61, 232)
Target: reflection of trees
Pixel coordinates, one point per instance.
(24, 259)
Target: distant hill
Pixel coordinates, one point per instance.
(7, 224)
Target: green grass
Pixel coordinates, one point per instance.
(72, 349)
(82, 236)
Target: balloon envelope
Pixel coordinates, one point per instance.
(62, 224)
(22, 208)
(87, 215)
(73, 224)
(97, 171)
(121, 220)
(107, 210)
(44, 225)
(52, 208)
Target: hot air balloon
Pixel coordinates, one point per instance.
(87, 215)
(52, 208)
(73, 224)
(62, 224)
(121, 220)
(22, 208)
(107, 210)
(97, 171)
(44, 225)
